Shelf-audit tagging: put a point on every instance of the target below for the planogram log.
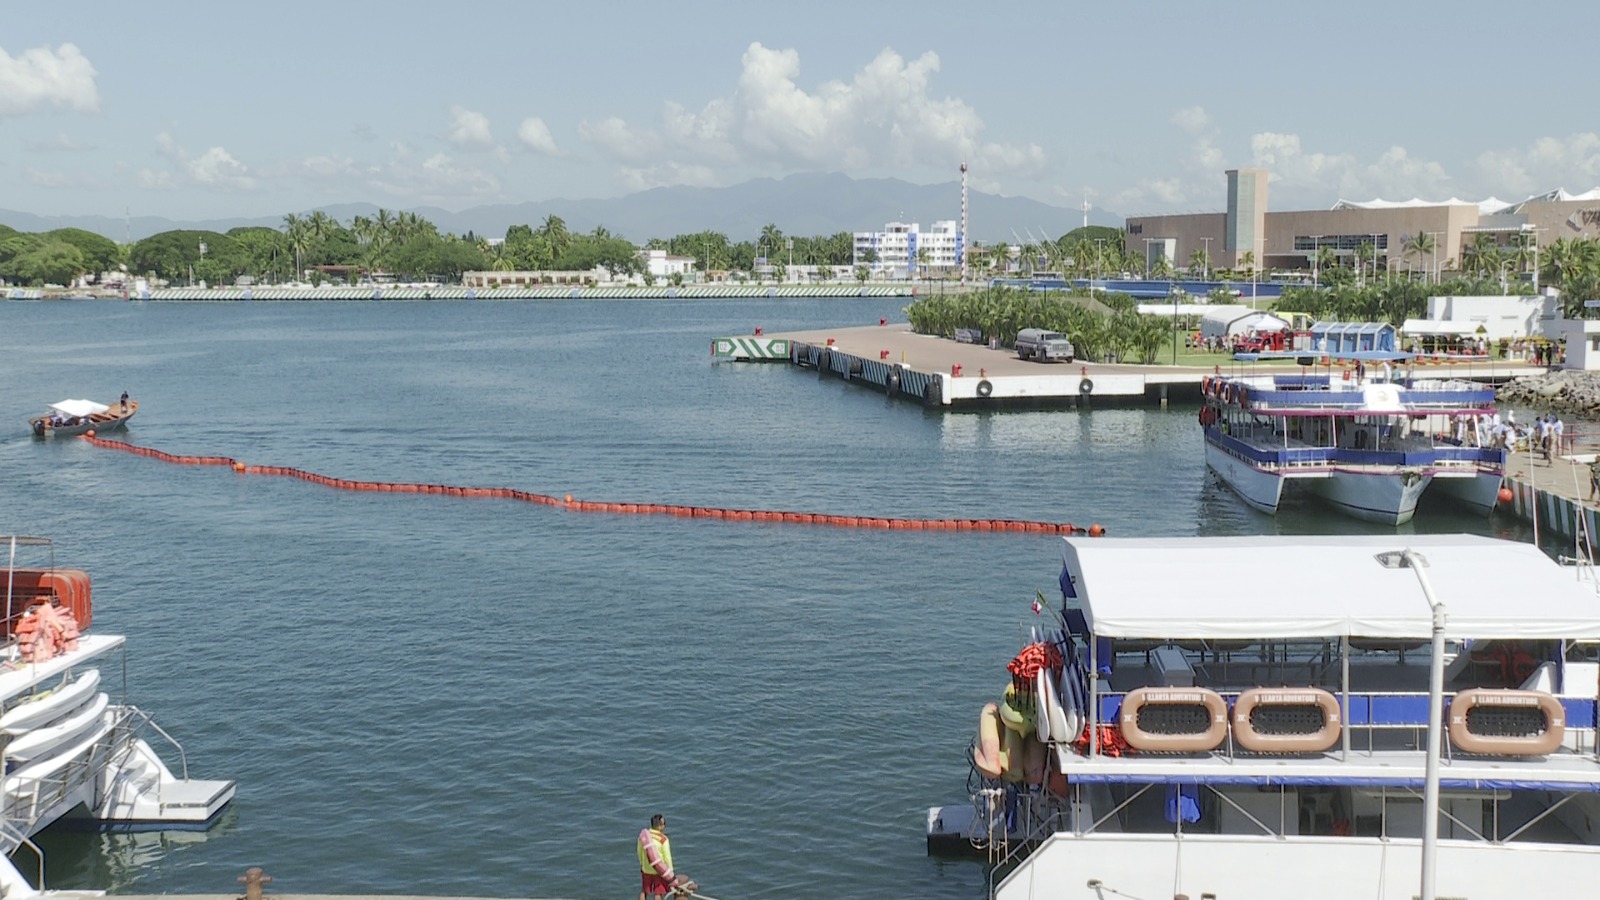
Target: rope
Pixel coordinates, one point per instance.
(572, 505)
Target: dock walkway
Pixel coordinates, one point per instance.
(940, 372)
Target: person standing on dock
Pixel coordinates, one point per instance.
(655, 862)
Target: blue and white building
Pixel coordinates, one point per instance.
(898, 244)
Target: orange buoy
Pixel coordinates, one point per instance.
(1506, 495)
(89, 433)
(1096, 530)
(238, 467)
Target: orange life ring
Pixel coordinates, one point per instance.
(1277, 739)
(1199, 719)
(1534, 741)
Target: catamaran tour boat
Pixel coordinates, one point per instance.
(67, 749)
(1191, 731)
(1370, 447)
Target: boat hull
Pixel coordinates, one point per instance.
(1388, 497)
(1262, 490)
(1479, 492)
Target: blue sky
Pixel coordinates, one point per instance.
(199, 110)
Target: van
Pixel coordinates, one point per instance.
(1045, 346)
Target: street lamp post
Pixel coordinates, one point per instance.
(1533, 231)
(1410, 559)
(1316, 259)
(1206, 276)
(1437, 237)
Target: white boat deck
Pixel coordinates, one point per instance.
(19, 677)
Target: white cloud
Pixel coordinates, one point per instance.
(49, 179)
(885, 116)
(439, 178)
(641, 178)
(1572, 162)
(41, 77)
(535, 135)
(470, 129)
(216, 168)
(1192, 119)
(621, 141)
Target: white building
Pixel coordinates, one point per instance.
(899, 244)
(1492, 317)
(662, 265)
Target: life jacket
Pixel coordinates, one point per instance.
(655, 852)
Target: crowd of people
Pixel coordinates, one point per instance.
(1546, 436)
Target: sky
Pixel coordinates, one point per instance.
(193, 111)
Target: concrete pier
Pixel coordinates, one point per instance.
(1554, 494)
(939, 372)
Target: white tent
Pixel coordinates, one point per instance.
(79, 408)
(1283, 587)
(1233, 321)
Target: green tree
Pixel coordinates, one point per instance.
(39, 260)
(100, 253)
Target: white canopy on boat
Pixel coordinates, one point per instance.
(1281, 587)
(79, 407)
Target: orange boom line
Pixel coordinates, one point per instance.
(655, 509)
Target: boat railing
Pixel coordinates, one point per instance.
(29, 799)
(12, 839)
(1369, 715)
(134, 719)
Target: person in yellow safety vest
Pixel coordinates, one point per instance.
(655, 862)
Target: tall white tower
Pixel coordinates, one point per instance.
(1086, 208)
(964, 232)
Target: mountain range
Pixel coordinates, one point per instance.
(810, 204)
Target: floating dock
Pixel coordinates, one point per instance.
(942, 373)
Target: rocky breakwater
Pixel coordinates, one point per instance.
(1564, 391)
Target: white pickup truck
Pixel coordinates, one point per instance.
(1045, 346)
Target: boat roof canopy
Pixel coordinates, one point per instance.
(79, 407)
(1277, 587)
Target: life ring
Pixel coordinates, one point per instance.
(1283, 723)
(1086, 387)
(1507, 723)
(1195, 720)
(985, 388)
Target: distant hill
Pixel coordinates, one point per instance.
(798, 204)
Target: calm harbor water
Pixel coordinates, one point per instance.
(423, 694)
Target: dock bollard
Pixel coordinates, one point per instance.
(955, 370)
(252, 879)
(883, 354)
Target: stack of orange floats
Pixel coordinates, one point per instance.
(567, 502)
(44, 632)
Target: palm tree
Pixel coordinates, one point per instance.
(555, 234)
(1199, 260)
(923, 255)
(1247, 259)
(1421, 244)
(298, 231)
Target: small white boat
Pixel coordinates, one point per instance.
(44, 708)
(74, 417)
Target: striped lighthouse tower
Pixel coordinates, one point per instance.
(963, 236)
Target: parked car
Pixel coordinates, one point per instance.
(1045, 346)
